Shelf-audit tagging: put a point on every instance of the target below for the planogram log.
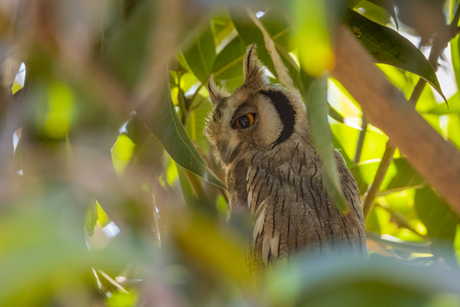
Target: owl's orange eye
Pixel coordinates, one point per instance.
(245, 121)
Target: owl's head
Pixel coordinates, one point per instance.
(256, 116)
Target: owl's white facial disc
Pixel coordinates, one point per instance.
(257, 116)
(273, 122)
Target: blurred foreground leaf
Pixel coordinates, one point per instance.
(122, 152)
(347, 282)
(317, 110)
(312, 37)
(127, 48)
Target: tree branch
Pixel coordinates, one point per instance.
(385, 107)
(439, 44)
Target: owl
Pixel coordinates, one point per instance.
(260, 134)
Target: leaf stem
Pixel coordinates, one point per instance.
(196, 94)
(362, 135)
(181, 100)
(195, 183)
(410, 247)
(374, 187)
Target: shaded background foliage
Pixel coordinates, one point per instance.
(109, 195)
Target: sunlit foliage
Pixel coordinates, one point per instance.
(110, 196)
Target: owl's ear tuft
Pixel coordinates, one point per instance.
(253, 69)
(215, 93)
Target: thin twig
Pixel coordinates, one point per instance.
(195, 183)
(400, 220)
(374, 187)
(362, 135)
(411, 247)
(196, 93)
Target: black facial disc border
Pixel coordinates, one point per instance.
(286, 112)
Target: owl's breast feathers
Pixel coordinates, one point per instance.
(283, 188)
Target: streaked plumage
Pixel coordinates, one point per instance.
(260, 134)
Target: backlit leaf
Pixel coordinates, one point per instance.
(122, 153)
(440, 220)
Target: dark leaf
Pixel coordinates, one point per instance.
(127, 49)
(389, 47)
(168, 129)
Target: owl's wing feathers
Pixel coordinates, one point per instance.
(292, 209)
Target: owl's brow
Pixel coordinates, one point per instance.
(242, 109)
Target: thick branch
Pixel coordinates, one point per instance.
(385, 107)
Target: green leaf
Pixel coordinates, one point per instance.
(121, 299)
(187, 191)
(250, 34)
(389, 47)
(440, 220)
(168, 129)
(453, 129)
(278, 28)
(91, 218)
(402, 177)
(280, 32)
(222, 26)
(102, 218)
(312, 34)
(388, 6)
(197, 122)
(127, 49)
(405, 178)
(438, 217)
(342, 281)
(201, 53)
(441, 109)
(364, 174)
(335, 115)
(229, 62)
(317, 109)
(122, 152)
